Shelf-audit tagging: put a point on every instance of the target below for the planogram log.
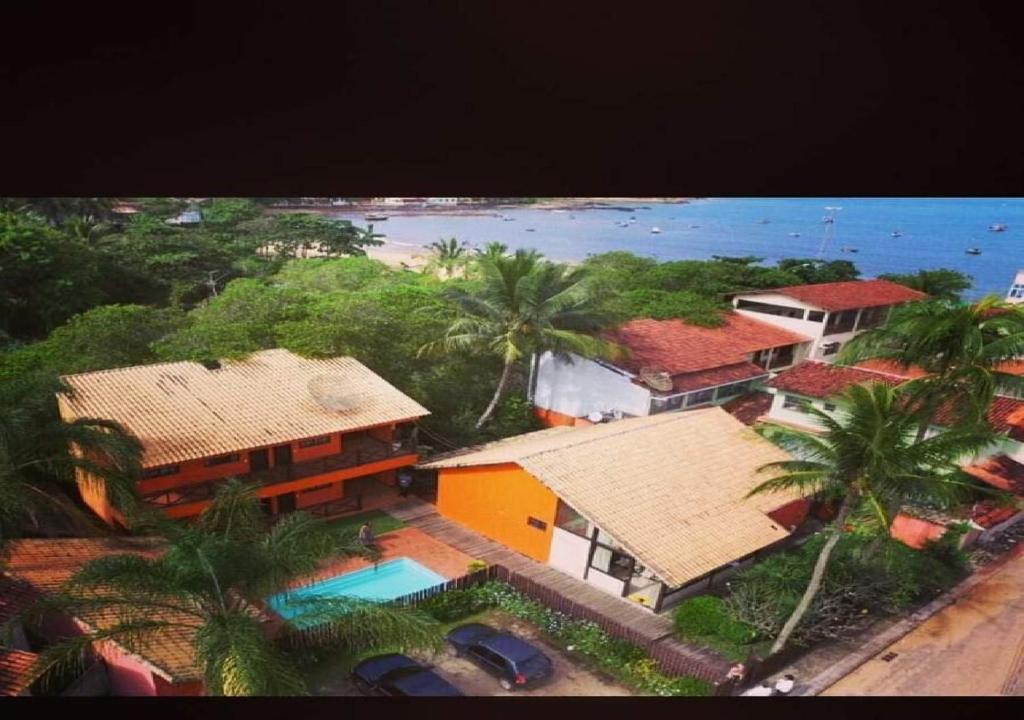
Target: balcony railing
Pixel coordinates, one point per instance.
(357, 452)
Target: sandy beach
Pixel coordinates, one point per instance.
(400, 255)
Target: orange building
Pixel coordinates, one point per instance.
(651, 509)
(314, 434)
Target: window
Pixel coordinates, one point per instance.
(612, 562)
(792, 402)
(782, 357)
(840, 322)
(816, 315)
(534, 522)
(312, 442)
(726, 391)
(161, 471)
(769, 309)
(700, 397)
(829, 407)
(222, 460)
(1017, 291)
(569, 520)
(872, 317)
(830, 348)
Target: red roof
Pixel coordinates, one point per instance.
(821, 380)
(14, 671)
(848, 295)
(716, 376)
(999, 471)
(677, 347)
(749, 408)
(989, 514)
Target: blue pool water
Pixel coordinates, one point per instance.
(386, 581)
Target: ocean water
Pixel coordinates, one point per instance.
(934, 232)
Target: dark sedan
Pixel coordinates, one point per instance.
(515, 662)
(398, 675)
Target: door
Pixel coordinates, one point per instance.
(286, 503)
(283, 455)
(488, 660)
(259, 460)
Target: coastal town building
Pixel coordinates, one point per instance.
(447, 201)
(650, 509)
(666, 365)
(314, 433)
(828, 313)
(816, 384)
(1016, 292)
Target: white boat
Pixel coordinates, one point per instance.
(794, 234)
(655, 230)
(998, 227)
(896, 233)
(372, 217)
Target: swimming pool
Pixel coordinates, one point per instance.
(386, 581)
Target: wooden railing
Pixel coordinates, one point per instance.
(357, 452)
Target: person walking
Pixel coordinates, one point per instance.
(366, 537)
(404, 482)
(785, 684)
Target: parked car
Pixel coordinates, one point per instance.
(398, 675)
(515, 662)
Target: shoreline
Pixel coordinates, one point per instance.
(484, 209)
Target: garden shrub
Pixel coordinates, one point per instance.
(453, 605)
(707, 615)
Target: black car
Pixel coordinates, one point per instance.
(515, 662)
(398, 675)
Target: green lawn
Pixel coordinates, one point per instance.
(380, 522)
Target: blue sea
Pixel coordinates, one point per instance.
(933, 232)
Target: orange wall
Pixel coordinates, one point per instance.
(495, 500)
(914, 531)
(554, 419)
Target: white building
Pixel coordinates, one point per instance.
(829, 313)
(667, 365)
(451, 201)
(1016, 293)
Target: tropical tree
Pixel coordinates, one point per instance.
(940, 283)
(868, 461)
(524, 306)
(963, 348)
(39, 454)
(208, 582)
(447, 256)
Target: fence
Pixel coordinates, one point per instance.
(459, 583)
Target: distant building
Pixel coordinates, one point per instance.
(189, 217)
(830, 313)
(1016, 294)
(443, 201)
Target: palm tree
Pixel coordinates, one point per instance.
(868, 460)
(39, 454)
(525, 306)
(963, 348)
(208, 584)
(448, 255)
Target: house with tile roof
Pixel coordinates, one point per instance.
(828, 313)
(162, 664)
(312, 432)
(815, 384)
(650, 509)
(665, 365)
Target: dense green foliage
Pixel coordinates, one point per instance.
(706, 619)
(941, 283)
(622, 659)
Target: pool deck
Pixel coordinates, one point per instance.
(407, 542)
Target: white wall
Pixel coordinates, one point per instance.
(569, 552)
(606, 582)
(583, 387)
(794, 417)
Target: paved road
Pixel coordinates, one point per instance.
(973, 647)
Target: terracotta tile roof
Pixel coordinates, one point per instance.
(671, 488)
(749, 408)
(676, 347)
(988, 514)
(716, 376)
(1000, 471)
(891, 367)
(183, 411)
(847, 295)
(816, 379)
(822, 380)
(15, 596)
(14, 671)
(46, 564)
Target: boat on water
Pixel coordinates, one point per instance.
(765, 221)
(973, 251)
(373, 217)
(794, 234)
(998, 227)
(644, 207)
(828, 220)
(848, 249)
(655, 230)
(693, 227)
(530, 230)
(896, 233)
(508, 218)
